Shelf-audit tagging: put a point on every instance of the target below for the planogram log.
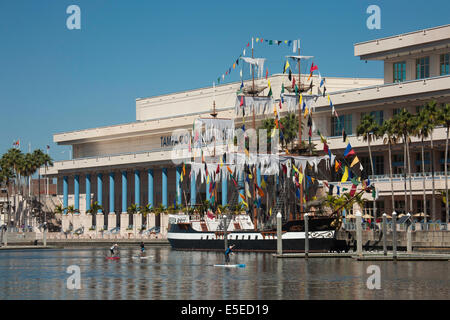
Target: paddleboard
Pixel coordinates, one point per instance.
(139, 257)
(230, 265)
(112, 258)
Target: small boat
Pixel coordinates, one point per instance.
(112, 258)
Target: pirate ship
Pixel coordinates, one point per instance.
(291, 182)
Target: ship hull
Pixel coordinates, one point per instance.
(254, 241)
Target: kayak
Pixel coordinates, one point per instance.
(112, 258)
(230, 265)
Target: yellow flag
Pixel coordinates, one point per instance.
(306, 112)
(221, 162)
(295, 168)
(263, 184)
(245, 203)
(286, 66)
(300, 177)
(207, 179)
(312, 179)
(355, 161)
(300, 100)
(270, 212)
(268, 82)
(234, 65)
(345, 176)
(181, 178)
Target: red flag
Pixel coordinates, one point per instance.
(218, 169)
(353, 190)
(281, 107)
(293, 82)
(325, 147)
(313, 67)
(267, 73)
(248, 44)
(242, 101)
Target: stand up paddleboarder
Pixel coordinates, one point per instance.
(142, 248)
(228, 252)
(113, 250)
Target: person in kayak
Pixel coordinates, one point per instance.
(113, 250)
(228, 252)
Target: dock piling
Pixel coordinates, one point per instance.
(306, 235)
(394, 235)
(358, 233)
(409, 235)
(384, 235)
(279, 234)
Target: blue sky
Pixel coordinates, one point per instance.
(53, 79)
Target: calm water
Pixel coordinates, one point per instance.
(168, 274)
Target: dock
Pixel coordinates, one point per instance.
(377, 256)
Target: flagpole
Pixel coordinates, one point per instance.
(255, 213)
(300, 125)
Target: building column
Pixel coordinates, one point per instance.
(65, 193)
(124, 192)
(99, 191)
(88, 192)
(193, 190)
(150, 187)
(137, 188)
(178, 184)
(111, 193)
(76, 192)
(224, 189)
(164, 187)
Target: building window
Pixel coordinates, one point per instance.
(342, 122)
(377, 115)
(420, 206)
(423, 68)
(445, 64)
(397, 164)
(399, 206)
(396, 111)
(399, 71)
(378, 164)
(442, 160)
(426, 156)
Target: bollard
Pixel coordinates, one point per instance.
(394, 235)
(306, 235)
(225, 234)
(409, 235)
(358, 233)
(384, 235)
(279, 235)
(45, 237)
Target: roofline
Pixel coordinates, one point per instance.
(402, 34)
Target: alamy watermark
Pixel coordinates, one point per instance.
(374, 280)
(74, 20)
(74, 280)
(374, 20)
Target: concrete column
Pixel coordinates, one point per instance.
(44, 236)
(124, 192)
(137, 223)
(177, 184)
(150, 187)
(384, 234)
(112, 220)
(224, 189)
(137, 188)
(279, 234)
(193, 190)
(123, 222)
(111, 192)
(99, 191)
(164, 187)
(65, 193)
(358, 233)
(76, 191)
(88, 192)
(394, 235)
(306, 235)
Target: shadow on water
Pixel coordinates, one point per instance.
(169, 274)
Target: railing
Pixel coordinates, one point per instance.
(416, 226)
(440, 175)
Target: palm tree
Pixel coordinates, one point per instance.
(145, 210)
(402, 127)
(422, 130)
(386, 130)
(95, 208)
(433, 114)
(444, 118)
(71, 210)
(368, 129)
(6, 176)
(290, 128)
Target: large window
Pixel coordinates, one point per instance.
(399, 71)
(442, 160)
(423, 68)
(426, 156)
(377, 115)
(445, 64)
(378, 164)
(342, 122)
(397, 164)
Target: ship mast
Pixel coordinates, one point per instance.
(255, 213)
(300, 126)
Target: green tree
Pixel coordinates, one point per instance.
(368, 129)
(444, 119)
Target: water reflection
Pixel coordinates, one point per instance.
(171, 274)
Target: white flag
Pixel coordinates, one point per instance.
(294, 46)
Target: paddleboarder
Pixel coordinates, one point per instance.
(113, 250)
(228, 252)
(142, 248)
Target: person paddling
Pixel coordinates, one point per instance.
(113, 250)
(142, 248)
(228, 252)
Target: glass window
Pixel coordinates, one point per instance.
(426, 156)
(378, 116)
(378, 164)
(445, 64)
(397, 164)
(423, 68)
(399, 71)
(396, 111)
(339, 123)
